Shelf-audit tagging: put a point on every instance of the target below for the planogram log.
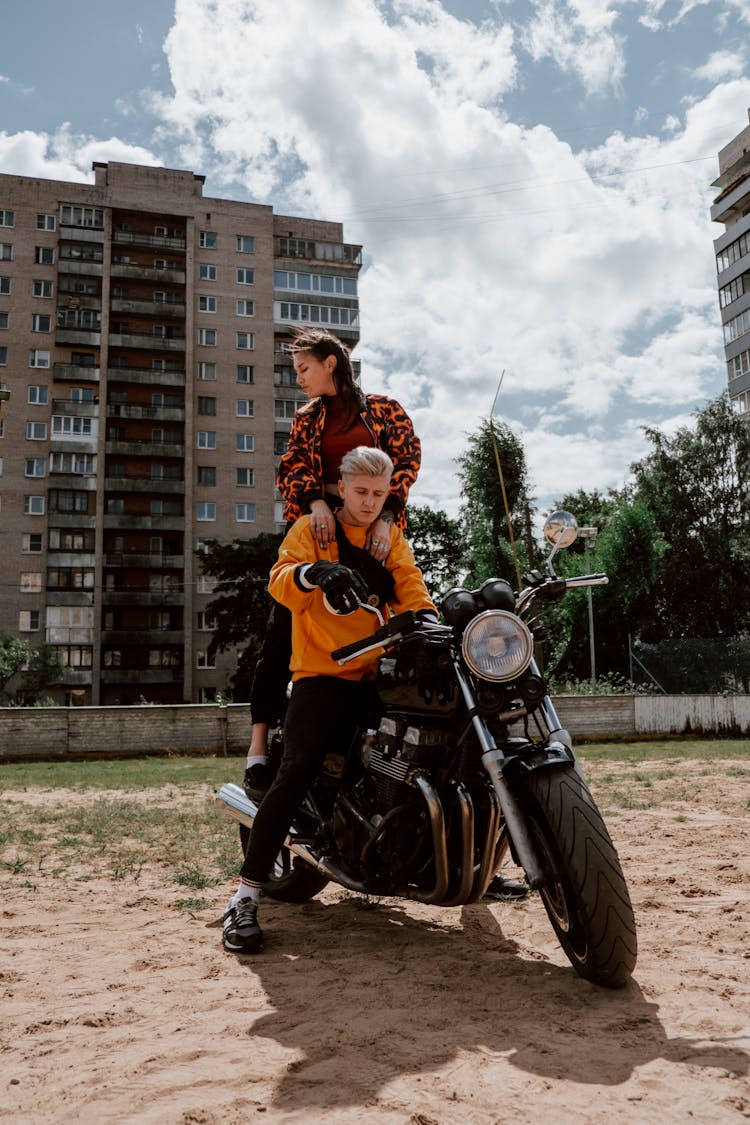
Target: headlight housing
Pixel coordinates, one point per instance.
(497, 646)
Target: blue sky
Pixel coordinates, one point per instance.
(530, 180)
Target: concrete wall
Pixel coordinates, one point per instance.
(28, 733)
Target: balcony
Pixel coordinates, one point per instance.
(74, 519)
(146, 375)
(146, 448)
(75, 373)
(159, 413)
(148, 308)
(141, 675)
(143, 636)
(151, 343)
(142, 597)
(122, 522)
(147, 273)
(154, 485)
(80, 268)
(75, 409)
(155, 241)
(71, 233)
(91, 337)
(146, 561)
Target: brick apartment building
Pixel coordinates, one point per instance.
(147, 399)
(732, 208)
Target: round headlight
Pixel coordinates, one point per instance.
(497, 645)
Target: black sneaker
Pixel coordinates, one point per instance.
(501, 888)
(242, 934)
(257, 781)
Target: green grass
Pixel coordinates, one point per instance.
(678, 750)
(126, 773)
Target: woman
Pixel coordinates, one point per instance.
(338, 418)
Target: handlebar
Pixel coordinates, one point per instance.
(552, 588)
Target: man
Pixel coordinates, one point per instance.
(327, 702)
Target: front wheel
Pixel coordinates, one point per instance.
(584, 893)
(292, 879)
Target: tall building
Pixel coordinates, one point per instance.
(732, 208)
(147, 399)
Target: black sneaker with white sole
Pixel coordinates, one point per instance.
(242, 934)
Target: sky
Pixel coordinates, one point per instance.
(530, 181)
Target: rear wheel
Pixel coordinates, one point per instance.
(585, 894)
(292, 879)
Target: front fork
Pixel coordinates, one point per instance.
(493, 760)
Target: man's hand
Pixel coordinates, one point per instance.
(343, 588)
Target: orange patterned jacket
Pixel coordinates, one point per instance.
(300, 476)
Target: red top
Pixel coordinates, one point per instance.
(343, 430)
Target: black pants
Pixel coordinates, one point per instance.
(323, 713)
(268, 693)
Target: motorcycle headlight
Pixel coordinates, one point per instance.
(497, 645)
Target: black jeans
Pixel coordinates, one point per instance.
(268, 691)
(322, 716)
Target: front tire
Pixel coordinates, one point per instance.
(292, 879)
(584, 894)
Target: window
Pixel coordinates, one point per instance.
(207, 304)
(31, 582)
(737, 327)
(84, 318)
(245, 408)
(41, 323)
(44, 255)
(38, 358)
(84, 359)
(245, 244)
(207, 337)
(3, 357)
(33, 505)
(66, 500)
(284, 377)
(205, 510)
(205, 661)
(71, 540)
(4, 319)
(206, 404)
(315, 314)
(42, 288)
(5, 285)
(76, 463)
(245, 277)
(245, 308)
(245, 478)
(205, 584)
(244, 443)
(115, 506)
(166, 508)
(7, 218)
(315, 283)
(81, 216)
(207, 371)
(208, 240)
(36, 431)
(284, 408)
(82, 394)
(245, 373)
(46, 222)
(62, 424)
(37, 395)
(245, 513)
(206, 272)
(731, 292)
(280, 444)
(32, 543)
(206, 439)
(34, 467)
(246, 341)
(207, 474)
(204, 622)
(6, 251)
(70, 578)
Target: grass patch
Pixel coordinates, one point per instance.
(677, 750)
(126, 773)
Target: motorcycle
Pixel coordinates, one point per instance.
(469, 764)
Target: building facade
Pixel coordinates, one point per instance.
(146, 398)
(732, 208)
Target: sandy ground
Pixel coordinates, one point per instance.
(116, 1007)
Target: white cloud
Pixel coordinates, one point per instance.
(64, 155)
(580, 37)
(721, 65)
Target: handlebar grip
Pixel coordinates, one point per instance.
(401, 623)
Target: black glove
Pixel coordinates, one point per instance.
(343, 588)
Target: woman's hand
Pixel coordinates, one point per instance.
(322, 523)
(379, 540)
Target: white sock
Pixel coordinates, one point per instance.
(256, 760)
(246, 889)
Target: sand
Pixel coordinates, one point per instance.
(117, 1007)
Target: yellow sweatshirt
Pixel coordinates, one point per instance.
(316, 632)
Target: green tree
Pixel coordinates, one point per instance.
(241, 601)
(14, 654)
(483, 516)
(36, 668)
(438, 545)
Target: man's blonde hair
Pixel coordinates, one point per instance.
(367, 462)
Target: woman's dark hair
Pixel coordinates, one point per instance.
(322, 344)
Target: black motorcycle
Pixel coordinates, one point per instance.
(469, 763)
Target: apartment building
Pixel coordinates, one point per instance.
(732, 208)
(146, 397)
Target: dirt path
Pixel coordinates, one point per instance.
(116, 1007)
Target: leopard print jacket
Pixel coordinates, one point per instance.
(300, 476)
